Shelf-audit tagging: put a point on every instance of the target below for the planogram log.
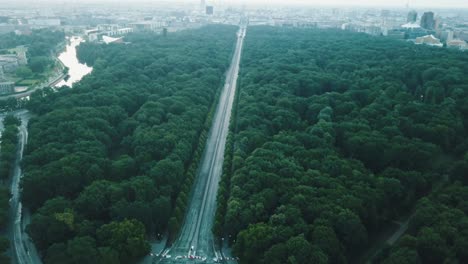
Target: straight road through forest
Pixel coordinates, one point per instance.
(196, 240)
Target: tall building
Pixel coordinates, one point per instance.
(428, 21)
(449, 35)
(412, 17)
(202, 4)
(437, 22)
(209, 10)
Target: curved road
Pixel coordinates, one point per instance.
(22, 248)
(196, 239)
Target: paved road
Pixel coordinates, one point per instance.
(22, 247)
(196, 238)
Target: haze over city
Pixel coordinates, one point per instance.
(338, 3)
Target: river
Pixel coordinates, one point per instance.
(76, 70)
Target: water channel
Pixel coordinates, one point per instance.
(68, 57)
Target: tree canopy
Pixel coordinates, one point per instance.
(107, 161)
(338, 134)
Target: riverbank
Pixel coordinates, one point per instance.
(66, 59)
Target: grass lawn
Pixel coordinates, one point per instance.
(27, 82)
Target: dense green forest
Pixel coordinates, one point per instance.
(336, 135)
(4, 207)
(8, 148)
(438, 231)
(109, 163)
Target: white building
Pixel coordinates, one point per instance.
(146, 25)
(109, 40)
(429, 40)
(120, 31)
(457, 44)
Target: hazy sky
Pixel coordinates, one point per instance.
(396, 3)
(389, 3)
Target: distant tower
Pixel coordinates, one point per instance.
(449, 36)
(412, 17)
(202, 4)
(427, 21)
(209, 10)
(437, 22)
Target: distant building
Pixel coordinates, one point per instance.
(9, 63)
(109, 40)
(44, 22)
(395, 34)
(429, 40)
(107, 27)
(412, 17)
(446, 35)
(23, 31)
(437, 23)
(146, 25)
(6, 87)
(457, 44)
(21, 55)
(120, 32)
(428, 21)
(450, 36)
(410, 26)
(111, 30)
(413, 33)
(413, 30)
(202, 4)
(209, 10)
(93, 37)
(463, 35)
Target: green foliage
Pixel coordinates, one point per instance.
(126, 237)
(4, 245)
(438, 230)
(336, 135)
(4, 207)
(117, 154)
(11, 103)
(82, 250)
(8, 146)
(39, 64)
(24, 72)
